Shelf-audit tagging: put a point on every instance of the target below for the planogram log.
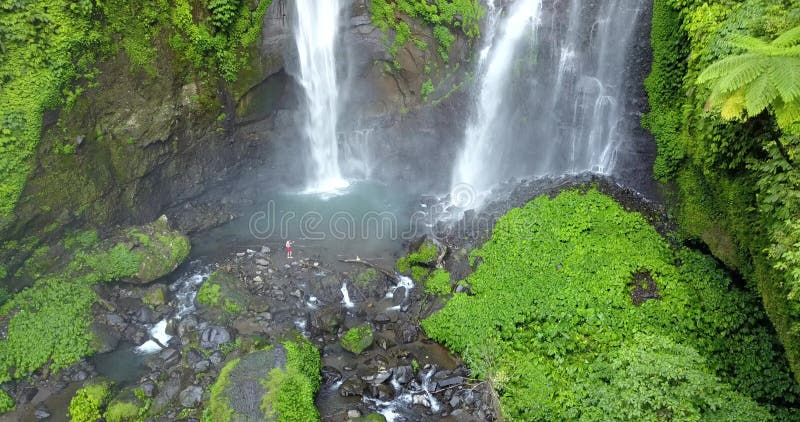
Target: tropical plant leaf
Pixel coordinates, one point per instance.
(759, 95)
(784, 72)
(787, 113)
(723, 67)
(746, 42)
(788, 38)
(741, 75)
(733, 107)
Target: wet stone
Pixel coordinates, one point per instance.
(191, 396)
(403, 374)
(330, 375)
(214, 336)
(447, 382)
(352, 386)
(41, 412)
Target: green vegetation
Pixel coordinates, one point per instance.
(89, 401)
(438, 283)
(50, 49)
(366, 277)
(48, 322)
(562, 335)
(766, 75)
(6, 402)
(425, 256)
(223, 291)
(357, 339)
(288, 392)
(122, 411)
(218, 407)
(736, 180)
(445, 16)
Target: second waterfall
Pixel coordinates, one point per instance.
(316, 32)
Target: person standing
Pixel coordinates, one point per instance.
(289, 244)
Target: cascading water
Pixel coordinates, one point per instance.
(475, 167)
(315, 33)
(550, 99)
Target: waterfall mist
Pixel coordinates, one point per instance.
(549, 96)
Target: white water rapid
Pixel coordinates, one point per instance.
(315, 32)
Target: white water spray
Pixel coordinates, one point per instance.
(158, 332)
(315, 31)
(476, 167)
(346, 297)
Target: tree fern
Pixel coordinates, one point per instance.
(766, 75)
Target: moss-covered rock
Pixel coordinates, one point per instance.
(358, 339)
(276, 384)
(222, 295)
(125, 407)
(155, 296)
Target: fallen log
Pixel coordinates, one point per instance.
(357, 260)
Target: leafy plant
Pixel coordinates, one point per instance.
(438, 283)
(544, 307)
(765, 75)
(88, 403)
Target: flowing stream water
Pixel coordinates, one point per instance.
(315, 33)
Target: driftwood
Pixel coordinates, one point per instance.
(360, 261)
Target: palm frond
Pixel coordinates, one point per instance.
(746, 42)
(787, 113)
(784, 72)
(741, 75)
(725, 66)
(788, 38)
(759, 95)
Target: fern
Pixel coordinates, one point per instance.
(766, 75)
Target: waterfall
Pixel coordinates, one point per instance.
(346, 297)
(551, 103)
(476, 166)
(315, 34)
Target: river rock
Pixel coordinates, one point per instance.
(328, 320)
(144, 315)
(352, 386)
(169, 357)
(403, 374)
(262, 262)
(41, 412)
(148, 388)
(447, 382)
(186, 326)
(166, 393)
(407, 333)
(191, 397)
(382, 392)
(214, 336)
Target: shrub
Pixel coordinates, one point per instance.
(438, 283)
(88, 403)
(6, 402)
(544, 308)
(122, 411)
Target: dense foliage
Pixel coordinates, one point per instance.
(47, 324)
(559, 335)
(50, 49)
(444, 15)
(737, 181)
(88, 403)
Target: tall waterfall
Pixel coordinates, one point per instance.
(550, 98)
(315, 33)
(476, 166)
